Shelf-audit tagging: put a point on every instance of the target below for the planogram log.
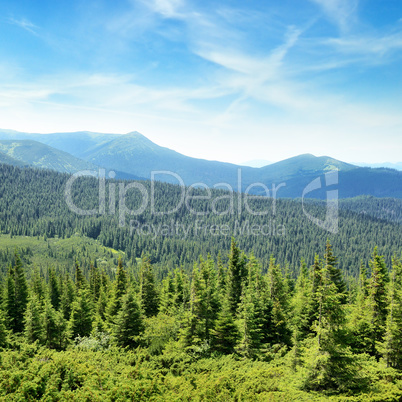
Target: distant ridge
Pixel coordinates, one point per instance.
(135, 156)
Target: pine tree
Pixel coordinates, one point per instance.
(9, 298)
(129, 323)
(392, 346)
(225, 334)
(16, 297)
(148, 293)
(67, 297)
(80, 323)
(37, 284)
(167, 295)
(250, 331)
(204, 303)
(3, 330)
(335, 273)
(120, 289)
(377, 300)
(80, 281)
(280, 329)
(94, 280)
(302, 313)
(361, 325)
(54, 290)
(32, 318)
(21, 294)
(54, 327)
(235, 275)
(330, 364)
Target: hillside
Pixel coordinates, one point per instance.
(188, 229)
(133, 156)
(33, 153)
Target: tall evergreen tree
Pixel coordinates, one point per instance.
(33, 325)
(67, 297)
(301, 305)
(330, 364)
(120, 289)
(377, 300)
(80, 281)
(250, 327)
(280, 329)
(392, 346)
(204, 302)
(54, 289)
(129, 323)
(80, 323)
(330, 262)
(148, 292)
(235, 275)
(16, 298)
(54, 327)
(3, 330)
(225, 334)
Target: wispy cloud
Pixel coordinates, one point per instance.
(167, 8)
(373, 45)
(24, 24)
(342, 12)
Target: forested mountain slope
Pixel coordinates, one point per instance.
(137, 157)
(33, 203)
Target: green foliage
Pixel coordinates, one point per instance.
(33, 325)
(148, 292)
(129, 322)
(80, 323)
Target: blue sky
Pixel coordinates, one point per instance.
(228, 80)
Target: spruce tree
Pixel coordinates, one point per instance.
(280, 328)
(225, 334)
(67, 297)
(204, 302)
(301, 321)
(80, 281)
(3, 330)
(334, 272)
(94, 280)
(250, 331)
(54, 290)
(129, 323)
(392, 346)
(378, 300)
(148, 293)
(9, 298)
(167, 295)
(32, 318)
(16, 297)
(80, 323)
(329, 362)
(235, 275)
(54, 327)
(361, 325)
(120, 289)
(21, 294)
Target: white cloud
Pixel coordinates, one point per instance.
(342, 12)
(24, 24)
(378, 45)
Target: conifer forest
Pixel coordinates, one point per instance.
(93, 311)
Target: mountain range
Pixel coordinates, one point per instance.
(133, 156)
